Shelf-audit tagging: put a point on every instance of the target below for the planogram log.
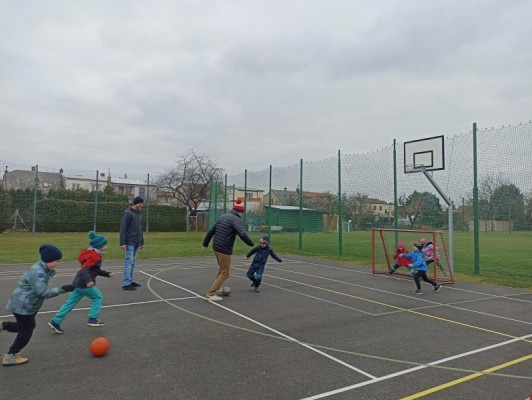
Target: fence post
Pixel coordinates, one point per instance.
(301, 204)
(475, 203)
(340, 211)
(148, 206)
(35, 197)
(270, 206)
(96, 201)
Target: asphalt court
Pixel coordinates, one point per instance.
(318, 329)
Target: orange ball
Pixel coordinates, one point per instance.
(99, 347)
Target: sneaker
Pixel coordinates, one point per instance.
(437, 287)
(135, 284)
(55, 327)
(95, 322)
(9, 360)
(214, 297)
(419, 291)
(129, 287)
(256, 290)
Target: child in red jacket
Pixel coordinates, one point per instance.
(400, 261)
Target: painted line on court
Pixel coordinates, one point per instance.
(466, 378)
(423, 366)
(412, 311)
(267, 328)
(417, 365)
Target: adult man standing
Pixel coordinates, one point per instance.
(131, 240)
(224, 231)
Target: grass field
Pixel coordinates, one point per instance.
(505, 259)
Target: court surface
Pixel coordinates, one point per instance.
(318, 329)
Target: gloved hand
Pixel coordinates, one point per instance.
(68, 288)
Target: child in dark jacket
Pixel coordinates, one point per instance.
(256, 269)
(400, 261)
(419, 268)
(85, 283)
(26, 300)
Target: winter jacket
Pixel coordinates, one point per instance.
(428, 251)
(261, 255)
(91, 263)
(32, 290)
(131, 228)
(224, 231)
(417, 260)
(401, 261)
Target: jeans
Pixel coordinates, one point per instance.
(255, 273)
(129, 264)
(92, 293)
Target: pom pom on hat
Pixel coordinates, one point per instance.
(238, 206)
(138, 200)
(97, 241)
(49, 253)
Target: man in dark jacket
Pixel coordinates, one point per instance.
(224, 231)
(131, 240)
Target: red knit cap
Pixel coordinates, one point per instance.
(238, 206)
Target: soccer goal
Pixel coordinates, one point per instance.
(384, 245)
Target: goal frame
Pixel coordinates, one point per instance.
(383, 265)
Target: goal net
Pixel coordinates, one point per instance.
(384, 244)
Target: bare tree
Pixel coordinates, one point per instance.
(189, 180)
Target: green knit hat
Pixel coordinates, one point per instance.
(97, 241)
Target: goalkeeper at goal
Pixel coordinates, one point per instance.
(400, 261)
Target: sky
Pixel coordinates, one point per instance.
(132, 85)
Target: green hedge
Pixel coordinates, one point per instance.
(53, 215)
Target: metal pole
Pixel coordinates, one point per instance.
(225, 194)
(301, 204)
(340, 213)
(148, 205)
(96, 201)
(475, 204)
(35, 197)
(270, 206)
(395, 202)
(245, 195)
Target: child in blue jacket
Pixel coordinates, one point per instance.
(256, 269)
(419, 268)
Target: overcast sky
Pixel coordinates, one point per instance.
(130, 85)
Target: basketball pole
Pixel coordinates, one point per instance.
(449, 212)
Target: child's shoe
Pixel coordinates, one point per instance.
(437, 287)
(9, 360)
(95, 322)
(55, 327)
(418, 291)
(256, 290)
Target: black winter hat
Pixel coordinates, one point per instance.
(138, 200)
(50, 253)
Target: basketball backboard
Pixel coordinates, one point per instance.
(428, 152)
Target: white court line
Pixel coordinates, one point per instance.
(402, 295)
(269, 328)
(407, 371)
(509, 296)
(114, 305)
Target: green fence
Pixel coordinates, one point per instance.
(487, 177)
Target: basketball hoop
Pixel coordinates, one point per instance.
(411, 168)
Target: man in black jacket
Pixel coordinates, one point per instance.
(131, 240)
(224, 231)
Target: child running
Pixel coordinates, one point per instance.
(85, 283)
(419, 267)
(256, 269)
(27, 299)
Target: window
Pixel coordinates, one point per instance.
(75, 186)
(249, 195)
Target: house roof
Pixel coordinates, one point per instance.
(21, 179)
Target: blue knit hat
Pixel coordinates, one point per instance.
(97, 241)
(50, 253)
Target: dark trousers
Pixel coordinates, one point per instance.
(422, 275)
(23, 328)
(254, 274)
